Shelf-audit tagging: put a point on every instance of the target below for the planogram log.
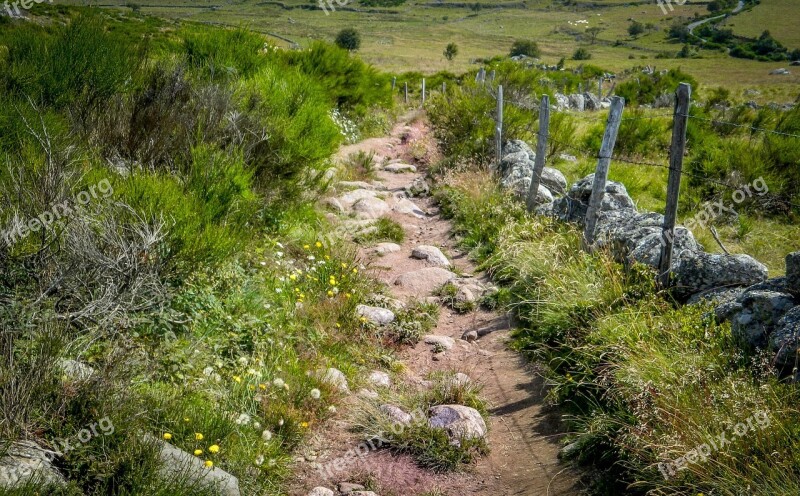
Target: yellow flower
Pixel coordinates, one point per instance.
(318, 244)
(338, 325)
(293, 277)
(355, 271)
(330, 294)
(198, 436)
(347, 295)
(252, 388)
(186, 419)
(237, 378)
(213, 449)
(262, 387)
(303, 424)
(327, 257)
(209, 464)
(306, 247)
(198, 452)
(167, 436)
(363, 319)
(344, 265)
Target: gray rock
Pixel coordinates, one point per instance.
(461, 379)
(554, 180)
(335, 205)
(380, 379)
(334, 377)
(397, 414)
(348, 199)
(459, 421)
(363, 493)
(75, 371)
(445, 342)
(399, 168)
(178, 464)
(759, 316)
(514, 146)
(348, 488)
(321, 491)
(793, 273)
(418, 187)
(25, 462)
(785, 340)
(561, 101)
(368, 393)
(591, 102)
(355, 185)
(386, 248)
(577, 102)
(408, 207)
(573, 206)
(371, 208)
(470, 336)
(432, 254)
(696, 271)
(375, 315)
(510, 160)
(424, 281)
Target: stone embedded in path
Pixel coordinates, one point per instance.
(348, 199)
(380, 378)
(363, 493)
(382, 249)
(26, 461)
(177, 464)
(321, 491)
(397, 414)
(446, 342)
(470, 336)
(349, 488)
(399, 168)
(424, 281)
(375, 315)
(418, 187)
(406, 206)
(368, 393)
(370, 208)
(432, 254)
(334, 377)
(335, 205)
(359, 185)
(459, 421)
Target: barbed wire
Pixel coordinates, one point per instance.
(733, 124)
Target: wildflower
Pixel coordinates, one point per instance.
(355, 271)
(278, 290)
(167, 436)
(311, 257)
(266, 435)
(256, 425)
(217, 378)
(243, 361)
(293, 277)
(304, 424)
(198, 452)
(186, 419)
(198, 436)
(330, 294)
(338, 324)
(315, 393)
(213, 449)
(318, 244)
(263, 264)
(262, 387)
(279, 254)
(363, 319)
(209, 464)
(244, 419)
(237, 379)
(259, 460)
(332, 409)
(347, 295)
(306, 247)
(278, 383)
(208, 371)
(280, 422)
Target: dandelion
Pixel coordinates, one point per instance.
(315, 393)
(213, 449)
(256, 425)
(237, 379)
(198, 436)
(306, 247)
(293, 277)
(259, 460)
(167, 436)
(198, 452)
(262, 387)
(318, 244)
(244, 419)
(278, 383)
(347, 295)
(332, 409)
(338, 325)
(355, 271)
(266, 435)
(363, 319)
(209, 464)
(304, 425)
(208, 371)
(330, 294)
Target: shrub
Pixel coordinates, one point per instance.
(636, 28)
(581, 54)
(224, 54)
(525, 47)
(451, 51)
(348, 39)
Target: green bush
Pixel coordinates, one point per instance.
(223, 54)
(525, 47)
(348, 39)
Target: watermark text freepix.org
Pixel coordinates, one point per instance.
(58, 211)
(667, 4)
(25, 4)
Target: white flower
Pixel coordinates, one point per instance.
(259, 460)
(244, 419)
(312, 257)
(278, 290)
(243, 361)
(208, 371)
(315, 393)
(266, 435)
(217, 378)
(280, 422)
(256, 425)
(278, 244)
(263, 264)
(332, 409)
(278, 383)
(279, 253)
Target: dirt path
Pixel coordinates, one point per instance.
(522, 433)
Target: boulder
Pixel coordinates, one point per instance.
(785, 340)
(577, 102)
(75, 371)
(573, 206)
(759, 316)
(335, 205)
(24, 462)
(334, 377)
(375, 315)
(554, 180)
(382, 249)
(591, 101)
(470, 336)
(445, 342)
(406, 206)
(371, 208)
(424, 281)
(350, 185)
(379, 378)
(514, 146)
(793, 273)
(348, 199)
(177, 464)
(561, 101)
(696, 271)
(397, 414)
(459, 421)
(511, 160)
(433, 255)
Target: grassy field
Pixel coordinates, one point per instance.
(412, 37)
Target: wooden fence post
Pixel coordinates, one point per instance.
(444, 87)
(394, 83)
(603, 162)
(423, 92)
(498, 130)
(541, 151)
(676, 151)
(406, 91)
(600, 89)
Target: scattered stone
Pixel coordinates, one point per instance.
(371, 208)
(177, 464)
(380, 379)
(397, 414)
(759, 316)
(26, 461)
(334, 377)
(376, 315)
(321, 491)
(368, 394)
(459, 421)
(347, 487)
(406, 206)
(75, 371)
(424, 281)
(335, 205)
(348, 199)
(445, 342)
(356, 185)
(470, 336)
(432, 254)
(697, 271)
(382, 249)
(418, 187)
(785, 340)
(399, 168)
(793, 273)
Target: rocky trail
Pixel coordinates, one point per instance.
(522, 435)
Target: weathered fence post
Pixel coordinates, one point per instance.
(498, 130)
(423, 92)
(600, 89)
(444, 87)
(406, 91)
(676, 151)
(394, 83)
(491, 76)
(541, 151)
(603, 162)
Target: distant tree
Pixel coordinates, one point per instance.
(349, 39)
(560, 63)
(593, 32)
(135, 7)
(635, 29)
(581, 54)
(525, 47)
(679, 32)
(685, 53)
(451, 51)
(795, 55)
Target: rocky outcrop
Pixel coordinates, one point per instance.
(26, 461)
(177, 464)
(459, 421)
(573, 206)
